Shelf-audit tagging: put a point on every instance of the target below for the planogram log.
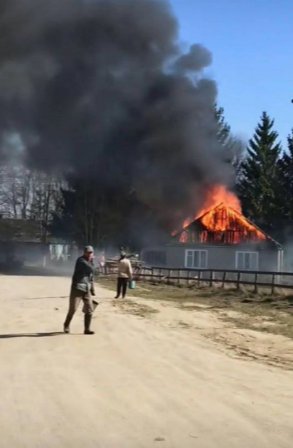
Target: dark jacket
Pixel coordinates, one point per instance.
(83, 276)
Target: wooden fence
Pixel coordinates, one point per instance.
(212, 277)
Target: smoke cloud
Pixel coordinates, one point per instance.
(102, 89)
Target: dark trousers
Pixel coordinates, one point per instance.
(122, 286)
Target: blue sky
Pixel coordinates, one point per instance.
(251, 42)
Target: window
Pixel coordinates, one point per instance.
(196, 259)
(247, 261)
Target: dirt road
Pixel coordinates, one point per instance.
(143, 380)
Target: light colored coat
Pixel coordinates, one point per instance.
(124, 268)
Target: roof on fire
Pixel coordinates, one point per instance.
(233, 216)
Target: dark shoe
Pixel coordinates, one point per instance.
(66, 329)
(89, 332)
(116, 297)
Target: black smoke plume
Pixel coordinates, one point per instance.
(102, 90)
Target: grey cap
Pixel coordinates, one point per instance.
(88, 249)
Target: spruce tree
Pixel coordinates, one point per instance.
(258, 186)
(286, 186)
(231, 147)
(224, 129)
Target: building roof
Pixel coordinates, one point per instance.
(222, 225)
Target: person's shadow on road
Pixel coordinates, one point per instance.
(30, 335)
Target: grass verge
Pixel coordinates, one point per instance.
(243, 308)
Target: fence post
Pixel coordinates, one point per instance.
(168, 277)
(188, 276)
(238, 280)
(255, 283)
(178, 280)
(211, 278)
(198, 278)
(273, 284)
(223, 279)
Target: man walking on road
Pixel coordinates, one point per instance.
(82, 288)
(124, 275)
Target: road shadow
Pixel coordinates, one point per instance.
(28, 271)
(43, 298)
(30, 335)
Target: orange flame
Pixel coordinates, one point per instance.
(222, 220)
(218, 194)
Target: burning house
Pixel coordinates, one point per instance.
(218, 237)
(106, 94)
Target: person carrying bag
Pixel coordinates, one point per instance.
(124, 276)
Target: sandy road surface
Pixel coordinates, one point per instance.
(137, 383)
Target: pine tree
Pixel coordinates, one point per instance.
(258, 186)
